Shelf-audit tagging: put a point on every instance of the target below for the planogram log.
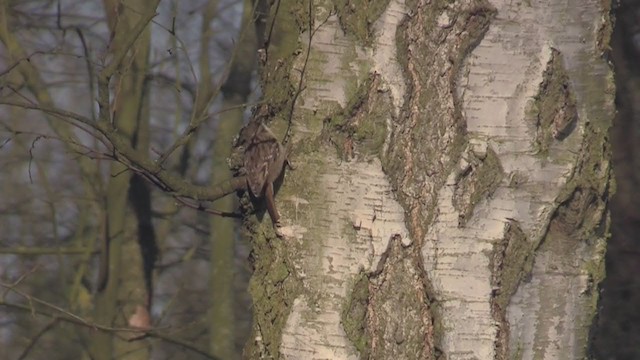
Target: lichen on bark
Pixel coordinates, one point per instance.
(357, 17)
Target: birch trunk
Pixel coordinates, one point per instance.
(450, 197)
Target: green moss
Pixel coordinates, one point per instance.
(360, 128)
(488, 178)
(355, 71)
(554, 109)
(275, 284)
(372, 131)
(358, 16)
(354, 314)
(478, 181)
(592, 173)
(579, 227)
(278, 88)
(596, 271)
(581, 220)
(358, 96)
(512, 261)
(273, 288)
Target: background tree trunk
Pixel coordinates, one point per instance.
(226, 323)
(452, 182)
(124, 294)
(616, 335)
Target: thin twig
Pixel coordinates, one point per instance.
(273, 23)
(40, 251)
(76, 320)
(33, 145)
(199, 207)
(17, 62)
(37, 337)
(10, 287)
(199, 114)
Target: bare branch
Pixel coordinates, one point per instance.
(17, 62)
(36, 251)
(198, 116)
(138, 161)
(200, 207)
(71, 318)
(128, 42)
(33, 145)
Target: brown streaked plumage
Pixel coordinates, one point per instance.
(264, 161)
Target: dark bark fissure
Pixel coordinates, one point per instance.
(437, 137)
(510, 264)
(399, 313)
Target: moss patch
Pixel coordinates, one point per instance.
(359, 130)
(511, 261)
(357, 17)
(479, 180)
(399, 316)
(279, 89)
(354, 314)
(272, 288)
(554, 108)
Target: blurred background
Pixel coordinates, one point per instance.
(187, 84)
(617, 329)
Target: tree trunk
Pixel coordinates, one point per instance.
(124, 282)
(450, 196)
(224, 324)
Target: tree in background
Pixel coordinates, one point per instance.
(154, 75)
(616, 334)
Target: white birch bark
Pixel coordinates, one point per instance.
(475, 228)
